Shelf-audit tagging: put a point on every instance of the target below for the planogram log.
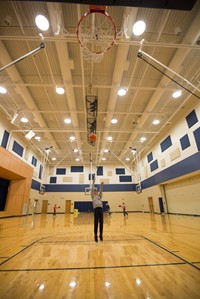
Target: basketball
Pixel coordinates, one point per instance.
(92, 137)
(119, 206)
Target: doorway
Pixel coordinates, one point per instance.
(67, 206)
(4, 184)
(161, 205)
(44, 206)
(151, 206)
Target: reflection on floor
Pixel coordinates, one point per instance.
(142, 256)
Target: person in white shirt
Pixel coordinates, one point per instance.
(98, 211)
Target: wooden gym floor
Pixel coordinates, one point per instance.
(144, 256)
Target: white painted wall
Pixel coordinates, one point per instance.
(176, 130)
(183, 196)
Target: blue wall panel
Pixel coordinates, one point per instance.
(61, 171)
(100, 170)
(17, 148)
(81, 188)
(166, 144)
(185, 142)
(53, 179)
(150, 157)
(35, 185)
(5, 139)
(154, 165)
(191, 119)
(197, 138)
(125, 178)
(120, 171)
(77, 168)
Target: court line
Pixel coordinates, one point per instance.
(171, 252)
(20, 251)
(102, 267)
(92, 268)
(88, 241)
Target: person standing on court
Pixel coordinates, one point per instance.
(54, 210)
(108, 209)
(124, 209)
(98, 211)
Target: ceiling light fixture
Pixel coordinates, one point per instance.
(3, 90)
(67, 120)
(122, 91)
(72, 138)
(114, 121)
(142, 139)
(109, 138)
(42, 22)
(24, 120)
(106, 151)
(60, 90)
(139, 28)
(156, 122)
(177, 94)
(38, 138)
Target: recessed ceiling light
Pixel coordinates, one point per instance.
(127, 159)
(42, 22)
(177, 94)
(72, 138)
(156, 122)
(109, 138)
(3, 90)
(77, 159)
(106, 150)
(75, 150)
(37, 137)
(142, 139)
(53, 159)
(114, 121)
(133, 150)
(67, 120)
(103, 159)
(122, 91)
(60, 90)
(139, 28)
(24, 120)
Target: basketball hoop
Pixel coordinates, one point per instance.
(96, 33)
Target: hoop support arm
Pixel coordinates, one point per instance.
(141, 53)
(42, 46)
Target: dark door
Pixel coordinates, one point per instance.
(4, 184)
(161, 205)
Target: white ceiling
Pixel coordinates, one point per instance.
(170, 38)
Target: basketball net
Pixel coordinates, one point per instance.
(96, 33)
